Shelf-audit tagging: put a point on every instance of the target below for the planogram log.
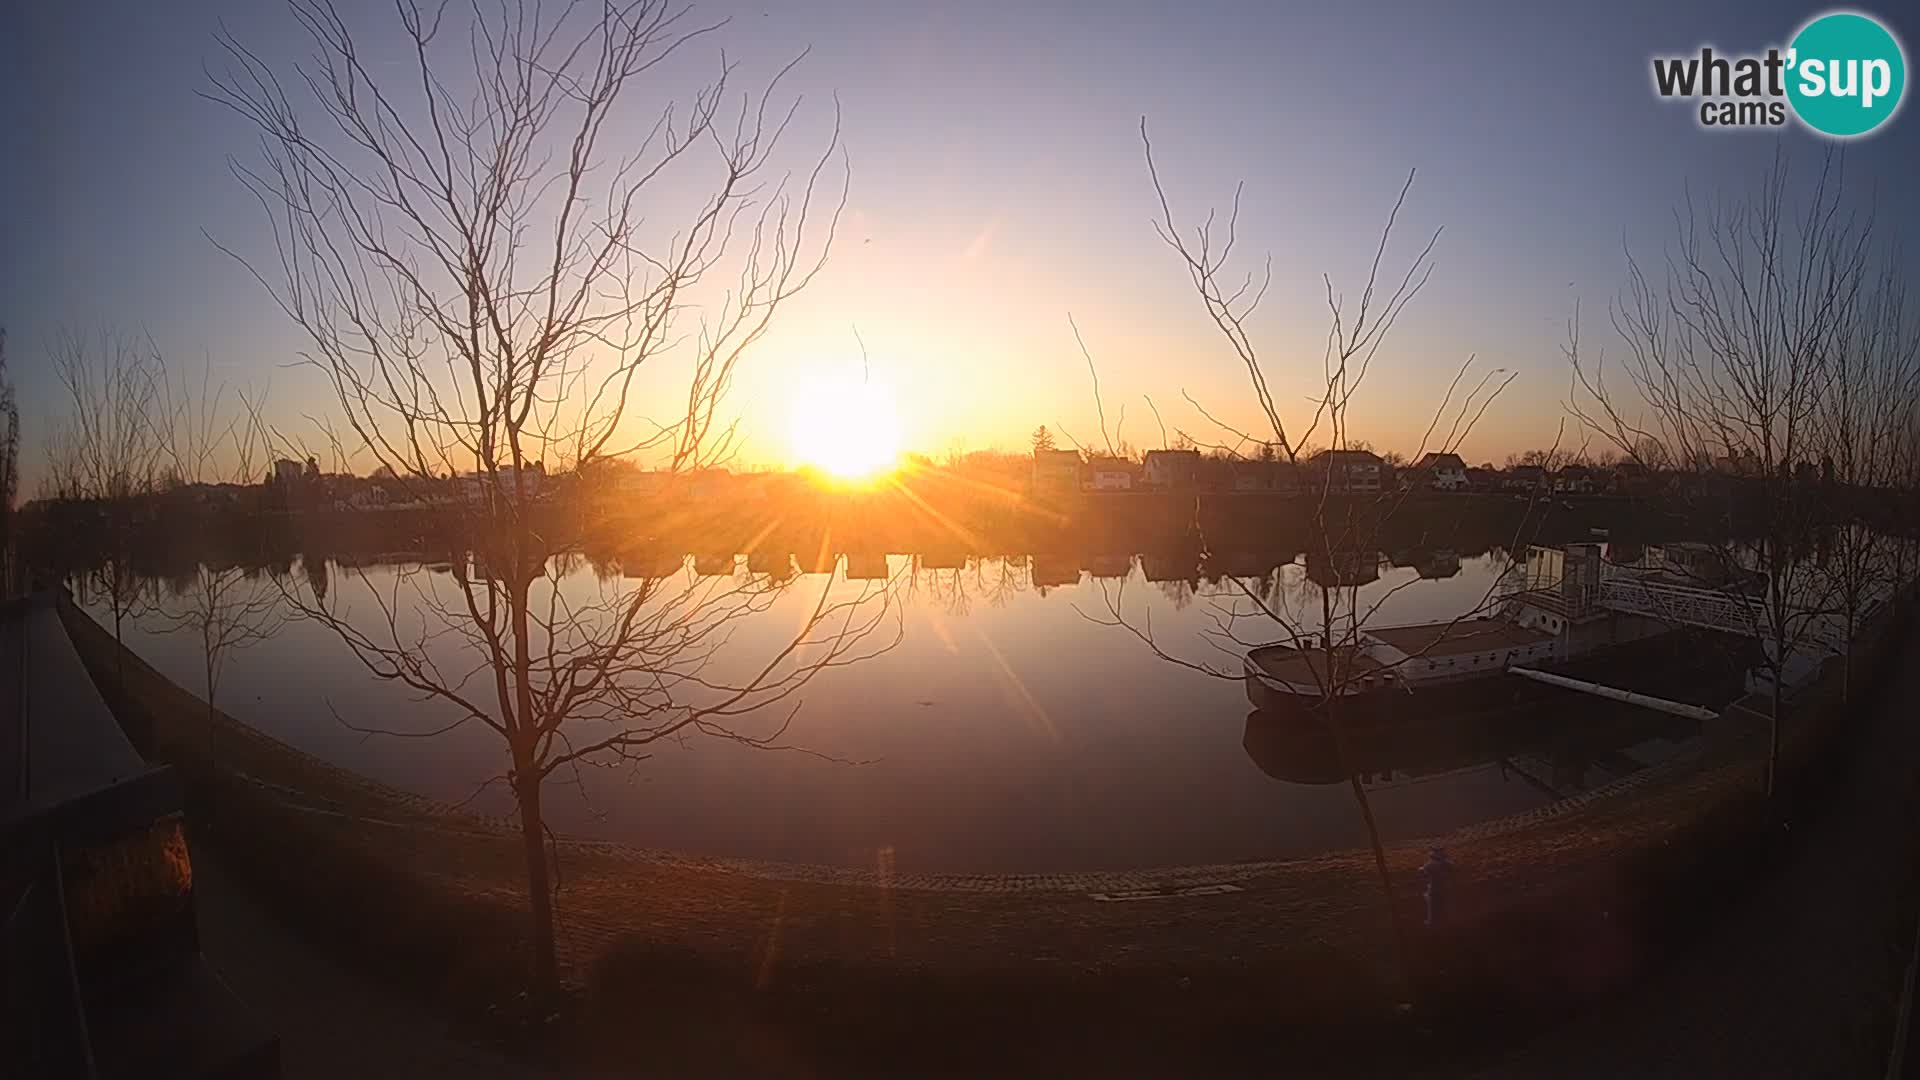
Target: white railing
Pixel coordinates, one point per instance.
(1715, 610)
(1684, 604)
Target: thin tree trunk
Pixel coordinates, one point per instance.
(210, 725)
(1846, 656)
(527, 784)
(1337, 725)
(539, 895)
(1386, 878)
(1777, 607)
(119, 652)
(1773, 725)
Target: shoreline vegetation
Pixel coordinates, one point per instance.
(1550, 910)
(926, 513)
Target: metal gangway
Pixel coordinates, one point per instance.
(1590, 584)
(1577, 582)
(1715, 609)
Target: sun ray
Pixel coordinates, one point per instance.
(1016, 690)
(960, 531)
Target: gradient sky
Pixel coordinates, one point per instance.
(997, 184)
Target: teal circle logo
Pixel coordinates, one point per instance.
(1846, 74)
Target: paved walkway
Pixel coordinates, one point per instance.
(332, 1021)
(1789, 982)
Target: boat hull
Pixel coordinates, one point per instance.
(1388, 706)
(1301, 755)
(1697, 667)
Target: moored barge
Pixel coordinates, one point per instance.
(1390, 675)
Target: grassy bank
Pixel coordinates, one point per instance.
(680, 955)
(1879, 1031)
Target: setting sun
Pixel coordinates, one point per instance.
(844, 427)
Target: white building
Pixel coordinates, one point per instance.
(644, 482)
(1442, 472)
(1110, 474)
(530, 482)
(1346, 470)
(1172, 468)
(1056, 471)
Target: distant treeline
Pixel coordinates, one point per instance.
(164, 536)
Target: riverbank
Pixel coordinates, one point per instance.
(810, 966)
(1798, 971)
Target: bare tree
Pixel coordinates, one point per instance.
(1871, 381)
(9, 472)
(1649, 453)
(1346, 512)
(478, 255)
(107, 454)
(1727, 363)
(1552, 460)
(1903, 480)
(229, 606)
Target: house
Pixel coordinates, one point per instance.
(1525, 478)
(1481, 479)
(506, 480)
(214, 493)
(1574, 480)
(1056, 472)
(1048, 569)
(1278, 477)
(708, 483)
(1442, 472)
(643, 481)
(1110, 474)
(1632, 478)
(1343, 568)
(1249, 475)
(1172, 468)
(1358, 471)
(528, 480)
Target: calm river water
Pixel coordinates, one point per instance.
(1009, 730)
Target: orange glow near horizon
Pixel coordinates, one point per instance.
(847, 429)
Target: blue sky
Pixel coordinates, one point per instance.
(997, 184)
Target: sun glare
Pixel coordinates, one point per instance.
(846, 428)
